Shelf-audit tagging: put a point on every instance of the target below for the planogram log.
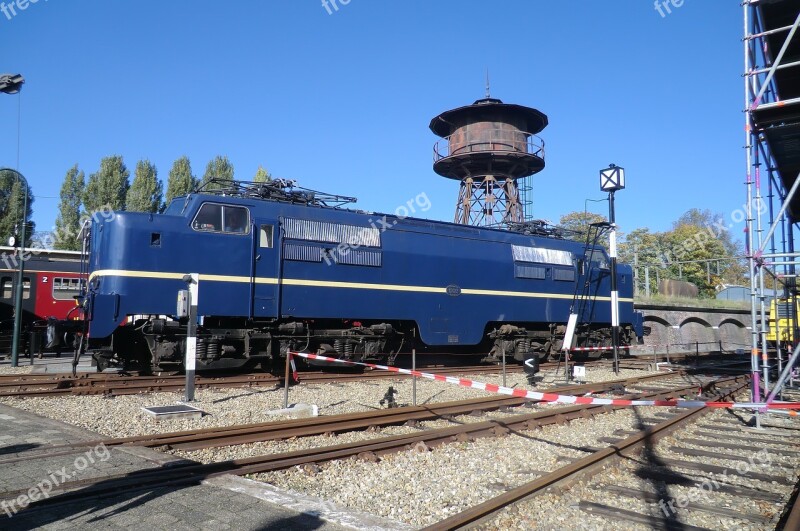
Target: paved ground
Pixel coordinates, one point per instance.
(28, 468)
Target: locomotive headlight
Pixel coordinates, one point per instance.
(612, 178)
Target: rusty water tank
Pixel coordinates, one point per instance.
(489, 137)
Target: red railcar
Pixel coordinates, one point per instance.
(50, 281)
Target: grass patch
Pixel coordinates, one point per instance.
(696, 303)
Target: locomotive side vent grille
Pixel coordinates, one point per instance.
(317, 231)
(302, 253)
(542, 256)
(567, 275)
(526, 271)
(356, 257)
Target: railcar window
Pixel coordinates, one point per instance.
(6, 284)
(66, 288)
(266, 236)
(213, 217)
(26, 288)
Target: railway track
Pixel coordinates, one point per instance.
(113, 384)
(191, 473)
(64, 384)
(410, 415)
(645, 478)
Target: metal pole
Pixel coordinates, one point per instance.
(647, 281)
(504, 367)
(756, 391)
(286, 381)
(414, 379)
(612, 236)
(761, 287)
(191, 335)
(20, 270)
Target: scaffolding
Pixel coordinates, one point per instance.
(772, 129)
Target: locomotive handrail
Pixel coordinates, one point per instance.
(495, 141)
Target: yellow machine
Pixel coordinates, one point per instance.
(786, 321)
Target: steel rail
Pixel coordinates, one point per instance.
(139, 384)
(192, 473)
(263, 431)
(587, 465)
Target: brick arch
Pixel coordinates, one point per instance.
(695, 329)
(661, 330)
(733, 334)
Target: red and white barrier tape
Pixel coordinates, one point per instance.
(550, 397)
(584, 349)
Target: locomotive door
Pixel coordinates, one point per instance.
(266, 268)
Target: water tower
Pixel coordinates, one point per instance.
(489, 146)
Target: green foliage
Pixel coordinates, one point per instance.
(262, 176)
(218, 168)
(181, 181)
(146, 193)
(108, 187)
(12, 197)
(577, 223)
(683, 253)
(68, 224)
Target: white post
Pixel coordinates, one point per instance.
(191, 335)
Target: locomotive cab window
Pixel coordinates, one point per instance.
(229, 219)
(265, 240)
(7, 283)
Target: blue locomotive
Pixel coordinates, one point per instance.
(284, 269)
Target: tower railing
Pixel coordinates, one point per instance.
(491, 141)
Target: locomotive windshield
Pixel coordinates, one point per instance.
(213, 217)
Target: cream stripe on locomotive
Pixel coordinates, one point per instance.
(333, 284)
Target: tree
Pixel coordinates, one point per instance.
(146, 193)
(644, 249)
(698, 249)
(12, 192)
(577, 224)
(714, 223)
(181, 181)
(218, 168)
(68, 224)
(108, 188)
(691, 247)
(262, 176)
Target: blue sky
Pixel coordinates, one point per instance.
(341, 102)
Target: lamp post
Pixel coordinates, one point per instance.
(11, 84)
(611, 180)
(20, 267)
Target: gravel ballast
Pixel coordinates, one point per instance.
(416, 488)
